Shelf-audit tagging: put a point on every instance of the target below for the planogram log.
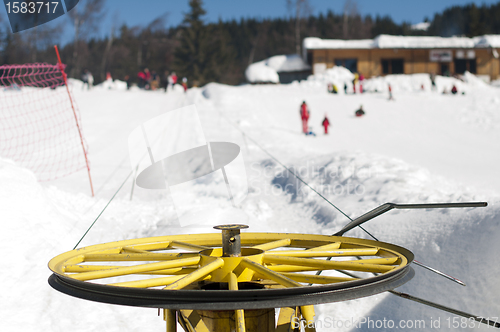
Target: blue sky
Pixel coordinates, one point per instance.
(141, 12)
(135, 12)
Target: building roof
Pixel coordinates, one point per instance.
(410, 42)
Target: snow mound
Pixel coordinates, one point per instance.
(336, 75)
(266, 71)
(259, 72)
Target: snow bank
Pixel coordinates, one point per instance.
(360, 182)
(259, 72)
(413, 83)
(40, 223)
(267, 70)
(336, 75)
(112, 85)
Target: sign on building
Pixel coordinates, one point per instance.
(441, 55)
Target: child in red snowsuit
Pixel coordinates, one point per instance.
(304, 115)
(325, 124)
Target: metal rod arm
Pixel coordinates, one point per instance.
(434, 305)
(447, 309)
(389, 206)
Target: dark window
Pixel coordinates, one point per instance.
(445, 69)
(462, 65)
(310, 58)
(351, 64)
(398, 66)
(472, 66)
(385, 67)
(393, 66)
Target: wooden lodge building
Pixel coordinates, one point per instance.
(407, 55)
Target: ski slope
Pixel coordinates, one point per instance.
(421, 147)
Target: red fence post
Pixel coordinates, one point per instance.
(61, 68)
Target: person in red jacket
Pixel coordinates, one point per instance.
(325, 124)
(304, 115)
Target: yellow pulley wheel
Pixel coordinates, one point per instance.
(233, 271)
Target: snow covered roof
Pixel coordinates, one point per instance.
(488, 41)
(386, 41)
(286, 63)
(411, 42)
(317, 43)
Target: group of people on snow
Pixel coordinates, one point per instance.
(305, 114)
(152, 81)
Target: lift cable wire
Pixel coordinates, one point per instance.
(116, 193)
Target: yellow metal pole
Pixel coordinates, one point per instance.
(136, 257)
(287, 282)
(240, 317)
(308, 314)
(314, 279)
(196, 275)
(273, 244)
(120, 271)
(170, 317)
(325, 253)
(339, 265)
(179, 244)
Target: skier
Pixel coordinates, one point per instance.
(433, 81)
(361, 79)
(325, 124)
(128, 81)
(142, 79)
(390, 92)
(360, 112)
(185, 83)
(85, 79)
(354, 82)
(304, 115)
(174, 78)
(147, 78)
(454, 90)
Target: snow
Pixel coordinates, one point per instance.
(285, 63)
(337, 75)
(488, 41)
(411, 42)
(421, 147)
(267, 70)
(259, 72)
(423, 26)
(317, 43)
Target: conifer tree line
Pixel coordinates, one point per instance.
(216, 52)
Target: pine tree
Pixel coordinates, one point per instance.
(193, 54)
